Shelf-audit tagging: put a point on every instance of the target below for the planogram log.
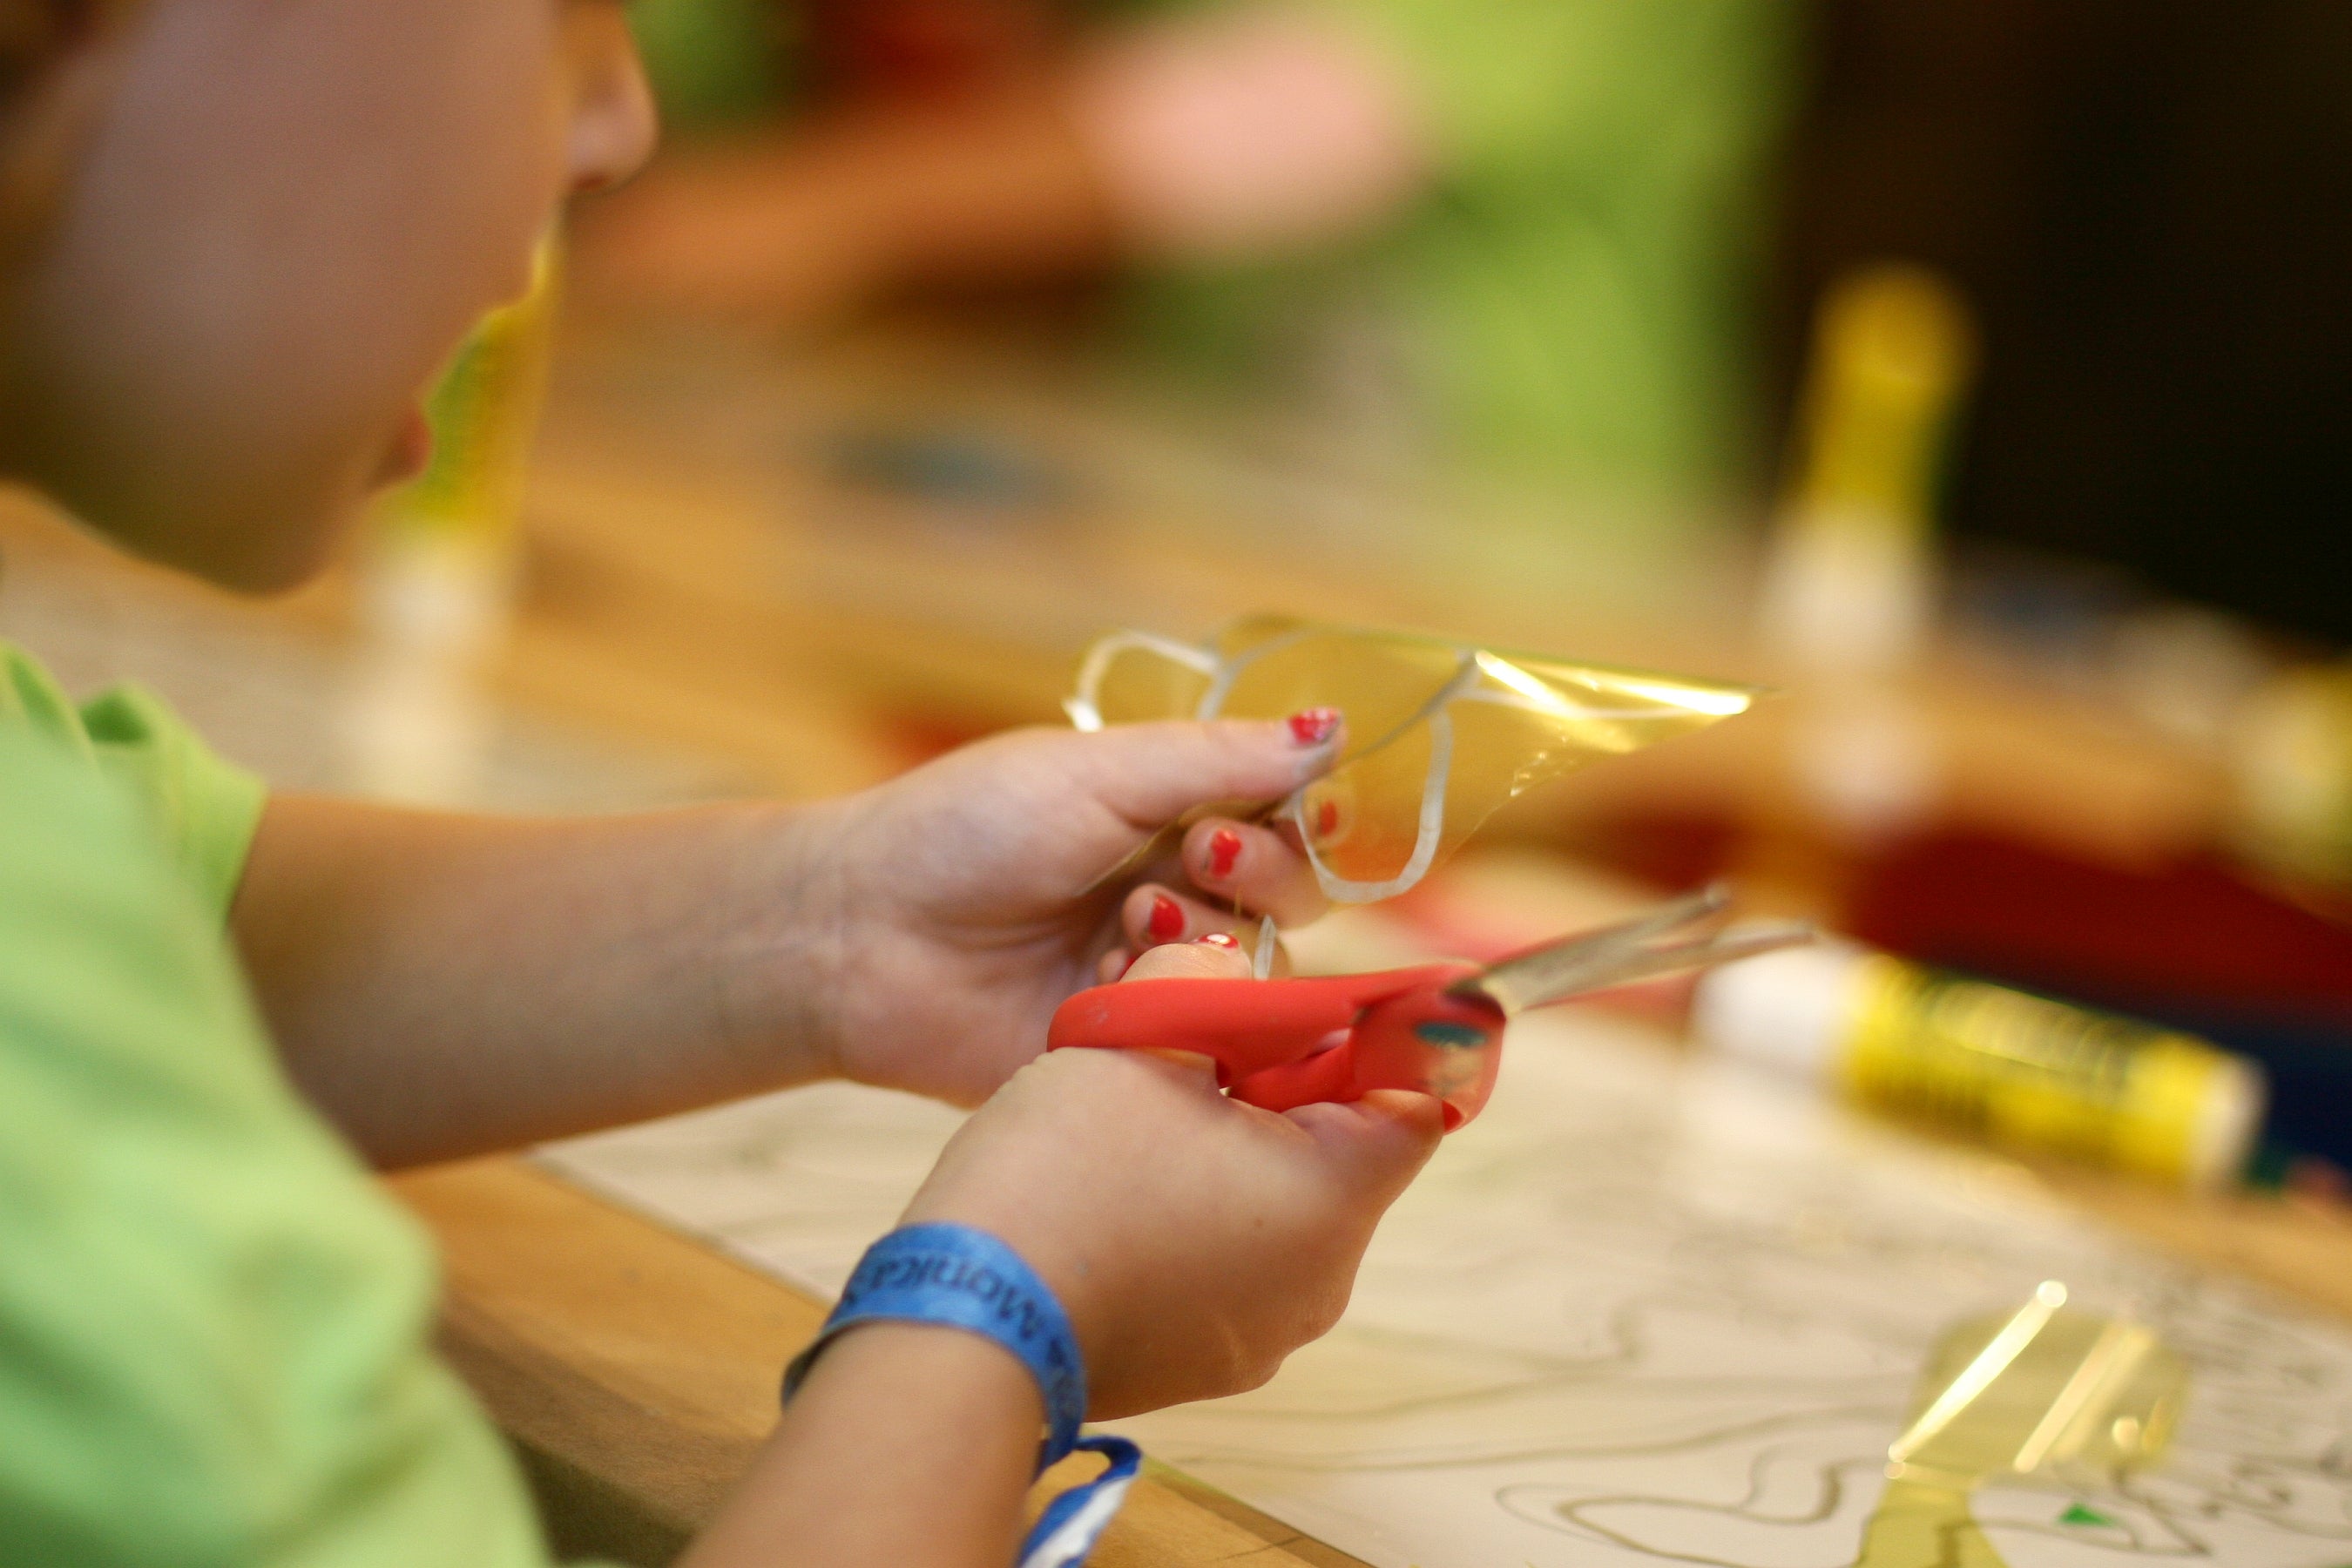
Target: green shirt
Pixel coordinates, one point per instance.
(212, 1323)
(1569, 303)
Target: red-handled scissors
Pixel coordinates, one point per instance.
(1436, 1028)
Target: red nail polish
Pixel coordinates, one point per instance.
(1225, 849)
(1313, 726)
(1327, 817)
(1167, 921)
(1219, 939)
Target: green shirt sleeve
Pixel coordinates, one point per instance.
(203, 809)
(213, 1324)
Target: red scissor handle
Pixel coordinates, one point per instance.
(1285, 1043)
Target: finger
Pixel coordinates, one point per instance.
(1256, 868)
(1379, 1143)
(1154, 773)
(1112, 965)
(1154, 916)
(1214, 957)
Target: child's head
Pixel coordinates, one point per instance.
(271, 221)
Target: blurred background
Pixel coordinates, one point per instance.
(1975, 372)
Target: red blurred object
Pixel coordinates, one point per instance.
(2194, 931)
(912, 739)
(924, 48)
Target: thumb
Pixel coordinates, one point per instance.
(1216, 957)
(1154, 773)
(1378, 1143)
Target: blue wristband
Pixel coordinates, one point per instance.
(965, 1279)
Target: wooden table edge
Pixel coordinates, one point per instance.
(633, 1370)
(634, 1367)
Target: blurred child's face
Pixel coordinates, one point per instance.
(282, 220)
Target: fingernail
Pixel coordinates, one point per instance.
(1219, 939)
(1167, 922)
(1225, 849)
(1313, 726)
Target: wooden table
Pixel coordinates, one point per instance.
(636, 1372)
(693, 603)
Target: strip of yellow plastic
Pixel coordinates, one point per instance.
(1440, 733)
(2047, 1391)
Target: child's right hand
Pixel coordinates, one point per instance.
(1194, 1241)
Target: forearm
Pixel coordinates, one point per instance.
(866, 204)
(908, 1445)
(990, 191)
(1247, 130)
(445, 985)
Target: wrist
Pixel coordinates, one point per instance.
(952, 1277)
(781, 937)
(960, 1277)
(941, 1372)
(908, 1444)
(1064, 1268)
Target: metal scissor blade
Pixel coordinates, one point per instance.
(1623, 953)
(1702, 952)
(1529, 979)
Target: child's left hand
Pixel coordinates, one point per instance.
(954, 901)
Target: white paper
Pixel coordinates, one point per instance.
(1639, 1311)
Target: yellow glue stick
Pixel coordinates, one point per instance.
(2003, 1065)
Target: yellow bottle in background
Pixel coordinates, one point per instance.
(1849, 582)
(2291, 772)
(437, 575)
(1989, 1062)
(1847, 594)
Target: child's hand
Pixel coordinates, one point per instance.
(573, 974)
(1194, 1241)
(954, 903)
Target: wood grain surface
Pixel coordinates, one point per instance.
(634, 1371)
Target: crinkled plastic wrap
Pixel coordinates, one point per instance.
(1439, 733)
(2048, 1392)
